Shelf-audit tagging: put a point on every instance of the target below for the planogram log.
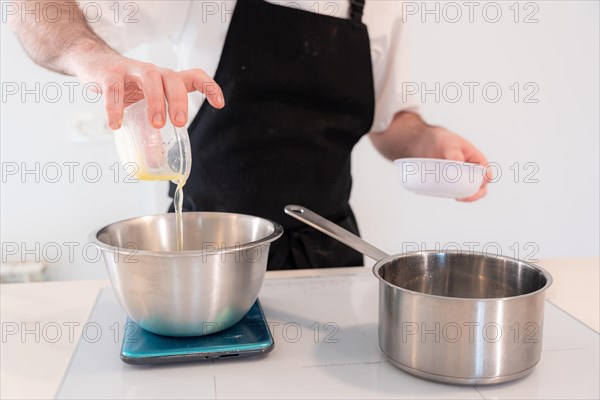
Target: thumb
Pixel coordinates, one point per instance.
(454, 154)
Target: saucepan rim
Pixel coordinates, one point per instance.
(379, 264)
(277, 232)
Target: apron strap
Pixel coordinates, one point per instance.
(356, 10)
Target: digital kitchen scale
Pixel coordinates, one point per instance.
(250, 336)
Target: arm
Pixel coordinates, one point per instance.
(55, 44)
(409, 136)
(69, 46)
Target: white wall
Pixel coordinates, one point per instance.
(558, 216)
(560, 134)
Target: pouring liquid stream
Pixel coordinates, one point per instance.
(178, 203)
(179, 180)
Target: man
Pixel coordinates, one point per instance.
(301, 88)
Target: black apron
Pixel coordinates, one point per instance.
(298, 96)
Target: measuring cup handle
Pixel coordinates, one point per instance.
(314, 220)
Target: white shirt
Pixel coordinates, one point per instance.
(197, 29)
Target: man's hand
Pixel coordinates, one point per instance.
(409, 136)
(124, 81)
(68, 45)
(437, 142)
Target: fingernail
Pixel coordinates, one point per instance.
(158, 119)
(114, 125)
(180, 117)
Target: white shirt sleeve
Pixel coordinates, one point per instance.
(124, 25)
(391, 60)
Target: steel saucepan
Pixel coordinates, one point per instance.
(454, 317)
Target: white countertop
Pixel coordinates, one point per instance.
(49, 316)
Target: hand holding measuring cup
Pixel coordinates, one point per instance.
(158, 154)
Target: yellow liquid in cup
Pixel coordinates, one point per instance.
(149, 176)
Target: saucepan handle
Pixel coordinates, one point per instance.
(314, 220)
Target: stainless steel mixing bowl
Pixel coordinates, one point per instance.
(207, 287)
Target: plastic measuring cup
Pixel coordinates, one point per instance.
(158, 154)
